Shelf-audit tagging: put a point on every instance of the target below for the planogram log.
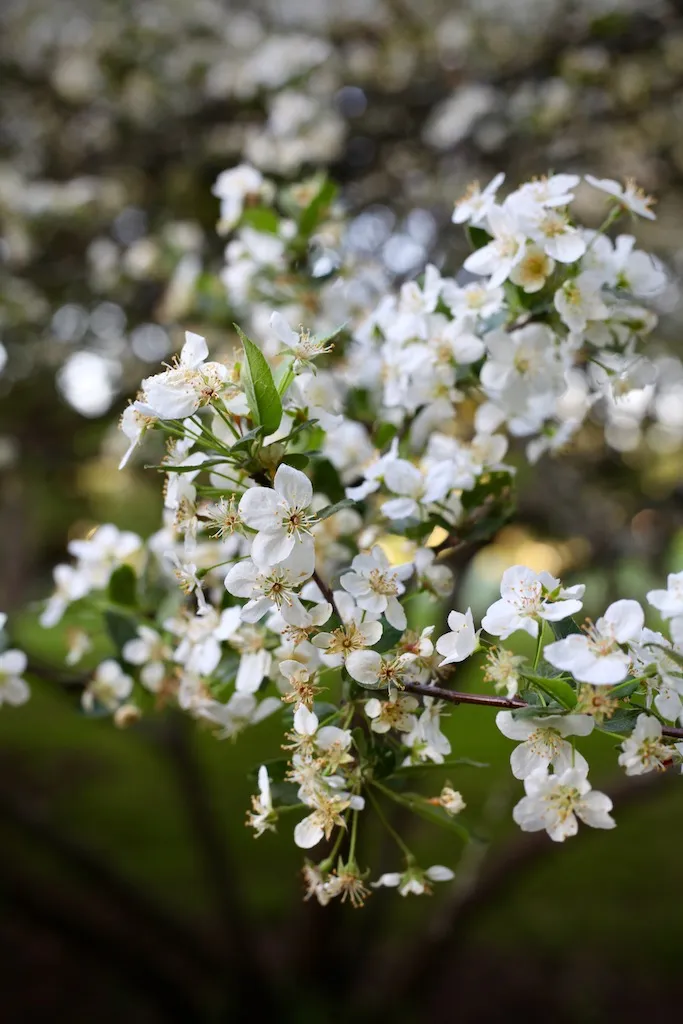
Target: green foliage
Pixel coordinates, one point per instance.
(122, 587)
(330, 510)
(120, 627)
(262, 395)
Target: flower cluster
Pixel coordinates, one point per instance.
(274, 587)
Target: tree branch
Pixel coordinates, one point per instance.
(456, 697)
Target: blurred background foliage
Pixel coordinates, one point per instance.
(130, 889)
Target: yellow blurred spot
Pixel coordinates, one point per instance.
(436, 537)
(397, 549)
(516, 546)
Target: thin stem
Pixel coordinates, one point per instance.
(539, 646)
(407, 853)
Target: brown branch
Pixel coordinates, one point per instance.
(326, 591)
(456, 697)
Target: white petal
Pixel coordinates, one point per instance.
(294, 486)
(260, 508)
(194, 351)
(307, 833)
(364, 667)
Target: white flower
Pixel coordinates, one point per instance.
(451, 801)
(543, 741)
(643, 750)
(552, 232)
(149, 650)
(281, 516)
(103, 551)
(181, 390)
(304, 347)
(353, 635)
(528, 597)
(461, 641)
(504, 252)
(438, 579)
(262, 815)
(580, 300)
(232, 187)
(553, 803)
(427, 742)
(135, 420)
(628, 195)
(414, 881)
(555, 190)
(13, 687)
(502, 669)
(108, 688)
(241, 711)
(475, 204)
(596, 655)
(669, 602)
(392, 714)
(370, 669)
(376, 585)
(71, 584)
(272, 588)
(532, 270)
(417, 488)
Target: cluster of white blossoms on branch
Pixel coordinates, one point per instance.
(272, 587)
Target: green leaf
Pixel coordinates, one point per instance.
(560, 689)
(564, 628)
(675, 656)
(437, 815)
(262, 219)
(326, 480)
(623, 720)
(389, 638)
(122, 587)
(245, 442)
(384, 434)
(330, 510)
(297, 460)
(317, 208)
(262, 395)
(624, 689)
(478, 237)
(121, 628)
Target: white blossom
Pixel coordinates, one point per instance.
(281, 516)
(596, 656)
(543, 741)
(554, 802)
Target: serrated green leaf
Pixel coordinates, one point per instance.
(623, 720)
(122, 587)
(330, 510)
(563, 628)
(262, 395)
